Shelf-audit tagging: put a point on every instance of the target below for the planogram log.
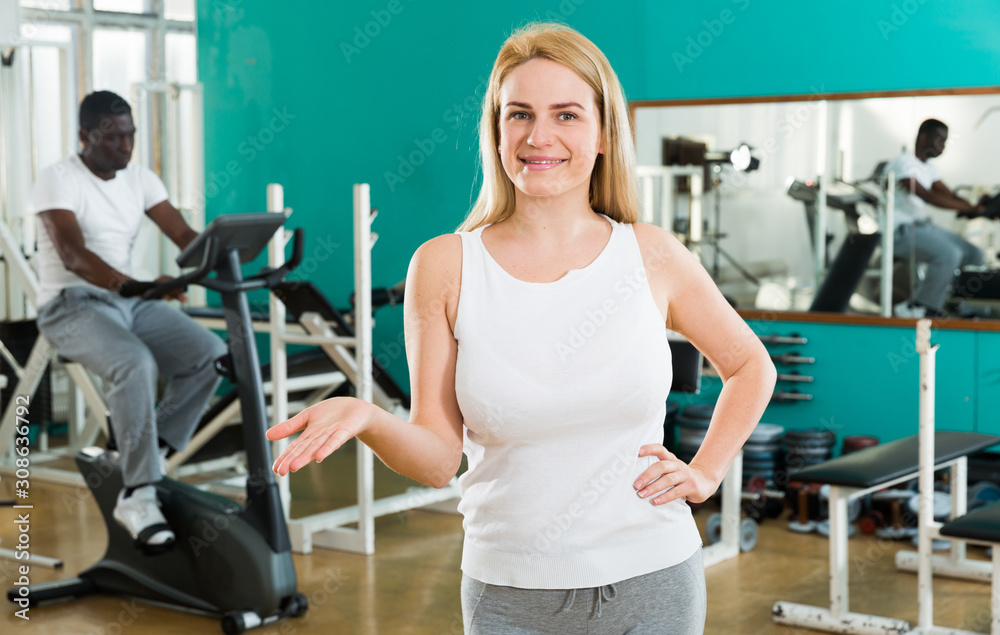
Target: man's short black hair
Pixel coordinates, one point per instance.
(930, 126)
(101, 105)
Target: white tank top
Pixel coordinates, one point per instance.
(560, 384)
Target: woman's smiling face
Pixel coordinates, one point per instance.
(550, 129)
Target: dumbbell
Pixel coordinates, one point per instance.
(759, 502)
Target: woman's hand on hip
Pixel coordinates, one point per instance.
(671, 478)
(325, 427)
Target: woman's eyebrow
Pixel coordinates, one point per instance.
(569, 104)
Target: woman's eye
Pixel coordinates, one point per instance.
(567, 116)
(519, 115)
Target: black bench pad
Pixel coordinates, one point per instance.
(979, 524)
(882, 463)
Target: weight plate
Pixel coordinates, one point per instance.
(713, 529)
(942, 505)
(814, 435)
(693, 422)
(896, 533)
(857, 442)
(748, 534)
(766, 433)
(760, 456)
(757, 468)
(936, 544)
(984, 492)
(756, 485)
(760, 448)
(799, 443)
(808, 452)
(872, 521)
(823, 529)
(802, 528)
(699, 410)
(691, 441)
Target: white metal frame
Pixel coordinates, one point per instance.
(327, 529)
(664, 214)
(887, 212)
(732, 488)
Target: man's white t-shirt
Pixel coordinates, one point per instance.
(910, 207)
(109, 214)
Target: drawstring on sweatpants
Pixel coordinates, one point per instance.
(605, 593)
(569, 602)
(606, 596)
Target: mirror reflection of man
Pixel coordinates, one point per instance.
(944, 252)
(90, 206)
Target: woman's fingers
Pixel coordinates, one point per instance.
(323, 431)
(655, 449)
(668, 463)
(288, 427)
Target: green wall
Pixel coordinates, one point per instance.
(321, 95)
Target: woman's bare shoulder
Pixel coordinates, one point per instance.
(657, 244)
(436, 267)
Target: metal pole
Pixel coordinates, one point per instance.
(279, 354)
(363, 354)
(888, 231)
(925, 573)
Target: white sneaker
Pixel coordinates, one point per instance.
(163, 460)
(908, 310)
(140, 515)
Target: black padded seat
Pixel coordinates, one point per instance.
(980, 524)
(882, 463)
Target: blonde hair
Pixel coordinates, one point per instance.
(613, 182)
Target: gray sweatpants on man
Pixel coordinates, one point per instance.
(129, 342)
(943, 251)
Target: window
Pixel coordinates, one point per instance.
(49, 5)
(181, 10)
(122, 6)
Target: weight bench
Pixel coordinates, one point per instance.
(858, 474)
(982, 526)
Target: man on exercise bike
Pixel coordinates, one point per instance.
(90, 206)
(919, 183)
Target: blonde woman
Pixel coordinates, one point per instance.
(536, 344)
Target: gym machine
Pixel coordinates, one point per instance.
(229, 560)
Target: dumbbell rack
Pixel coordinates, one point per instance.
(795, 378)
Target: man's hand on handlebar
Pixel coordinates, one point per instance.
(131, 288)
(173, 294)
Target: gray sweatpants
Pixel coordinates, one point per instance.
(129, 342)
(943, 251)
(670, 601)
